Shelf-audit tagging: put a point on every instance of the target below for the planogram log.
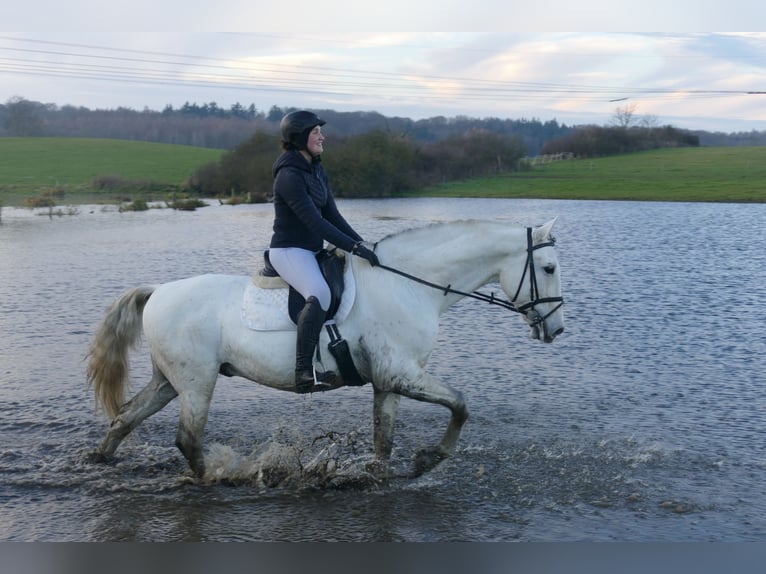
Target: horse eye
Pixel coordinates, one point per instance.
(549, 269)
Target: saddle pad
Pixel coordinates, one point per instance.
(265, 282)
(266, 309)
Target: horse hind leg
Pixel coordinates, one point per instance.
(151, 399)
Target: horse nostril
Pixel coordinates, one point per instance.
(558, 331)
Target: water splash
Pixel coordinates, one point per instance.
(292, 460)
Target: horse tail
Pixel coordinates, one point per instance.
(119, 331)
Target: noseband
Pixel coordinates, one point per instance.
(527, 309)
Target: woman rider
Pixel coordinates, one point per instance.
(305, 216)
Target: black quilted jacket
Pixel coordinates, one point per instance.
(305, 214)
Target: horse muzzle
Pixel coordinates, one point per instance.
(546, 328)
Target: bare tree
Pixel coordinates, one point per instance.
(649, 121)
(625, 115)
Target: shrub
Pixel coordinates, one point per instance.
(595, 141)
(47, 198)
(373, 164)
(135, 205)
(186, 204)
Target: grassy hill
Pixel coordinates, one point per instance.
(724, 174)
(31, 166)
(68, 167)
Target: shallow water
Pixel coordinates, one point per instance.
(643, 421)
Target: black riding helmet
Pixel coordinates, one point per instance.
(295, 128)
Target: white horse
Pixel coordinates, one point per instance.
(195, 331)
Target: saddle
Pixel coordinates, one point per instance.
(332, 263)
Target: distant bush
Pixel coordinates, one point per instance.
(115, 183)
(245, 171)
(596, 141)
(186, 204)
(476, 153)
(374, 164)
(48, 198)
(135, 205)
(39, 201)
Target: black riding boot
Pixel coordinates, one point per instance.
(310, 321)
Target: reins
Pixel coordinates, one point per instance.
(491, 299)
(448, 289)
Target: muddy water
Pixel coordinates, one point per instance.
(644, 421)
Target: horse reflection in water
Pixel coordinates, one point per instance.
(195, 331)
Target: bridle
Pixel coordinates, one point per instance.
(527, 309)
(534, 293)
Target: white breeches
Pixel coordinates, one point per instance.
(300, 269)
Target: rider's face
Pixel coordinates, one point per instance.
(315, 141)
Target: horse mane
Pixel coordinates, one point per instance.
(415, 233)
(452, 230)
(439, 241)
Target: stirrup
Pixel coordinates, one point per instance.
(319, 381)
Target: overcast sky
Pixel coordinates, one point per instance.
(696, 80)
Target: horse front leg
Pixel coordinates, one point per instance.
(384, 410)
(431, 390)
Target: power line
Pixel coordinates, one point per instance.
(198, 71)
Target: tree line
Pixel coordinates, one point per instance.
(213, 126)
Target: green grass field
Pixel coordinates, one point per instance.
(31, 166)
(34, 166)
(722, 174)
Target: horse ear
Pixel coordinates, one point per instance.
(543, 233)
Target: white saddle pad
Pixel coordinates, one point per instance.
(266, 309)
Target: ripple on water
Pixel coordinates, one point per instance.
(642, 422)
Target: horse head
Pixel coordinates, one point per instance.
(535, 289)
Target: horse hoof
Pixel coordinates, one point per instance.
(426, 460)
(378, 470)
(273, 477)
(96, 457)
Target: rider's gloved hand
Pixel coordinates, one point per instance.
(365, 253)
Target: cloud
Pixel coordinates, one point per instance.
(341, 16)
(685, 79)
